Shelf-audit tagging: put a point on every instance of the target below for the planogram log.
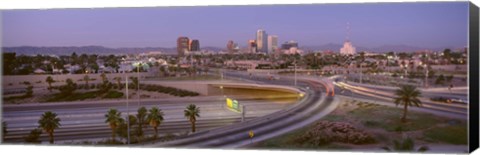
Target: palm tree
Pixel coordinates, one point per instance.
(49, 122)
(155, 118)
(114, 119)
(192, 112)
(104, 77)
(407, 96)
(119, 82)
(49, 80)
(86, 79)
(141, 119)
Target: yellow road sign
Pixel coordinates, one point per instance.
(251, 134)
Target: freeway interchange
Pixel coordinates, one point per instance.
(217, 126)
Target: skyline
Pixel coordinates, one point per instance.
(429, 25)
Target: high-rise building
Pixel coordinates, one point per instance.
(252, 46)
(194, 45)
(289, 44)
(182, 46)
(262, 44)
(347, 48)
(230, 46)
(272, 43)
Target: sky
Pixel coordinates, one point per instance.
(424, 24)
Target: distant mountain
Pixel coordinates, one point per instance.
(100, 50)
(380, 49)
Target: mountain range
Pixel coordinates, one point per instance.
(67, 50)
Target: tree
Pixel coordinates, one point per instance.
(4, 130)
(407, 96)
(192, 112)
(49, 80)
(141, 119)
(104, 77)
(440, 79)
(86, 79)
(49, 122)
(29, 92)
(449, 78)
(69, 88)
(122, 130)
(34, 136)
(134, 81)
(155, 118)
(119, 82)
(406, 145)
(114, 119)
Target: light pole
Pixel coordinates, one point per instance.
(361, 72)
(426, 75)
(295, 72)
(138, 83)
(128, 114)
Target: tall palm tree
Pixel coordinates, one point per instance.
(155, 118)
(141, 119)
(49, 80)
(192, 112)
(49, 122)
(119, 82)
(104, 77)
(114, 119)
(86, 79)
(407, 96)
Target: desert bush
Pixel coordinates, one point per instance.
(325, 132)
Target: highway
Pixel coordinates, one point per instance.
(86, 121)
(315, 104)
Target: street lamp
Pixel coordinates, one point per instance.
(128, 114)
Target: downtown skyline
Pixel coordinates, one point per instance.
(428, 25)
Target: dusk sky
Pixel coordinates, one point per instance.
(423, 24)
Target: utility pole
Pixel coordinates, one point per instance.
(243, 113)
(128, 114)
(138, 83)
(295, 72)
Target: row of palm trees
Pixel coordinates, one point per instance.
(49, 121)
(153, 117)
(407, 96)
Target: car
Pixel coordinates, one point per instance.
(440, 99)
(458, 100)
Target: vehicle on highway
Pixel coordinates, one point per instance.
(449, 100)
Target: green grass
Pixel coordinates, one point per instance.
(113, 94)
(73, 97)
(388, 118)
(188, 78)
(433, 129)
(451, 134)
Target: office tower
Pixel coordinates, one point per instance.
(194, 45)
(252, 46)
(289, 44)
(262, 45)
(182, 46)
(230, 46)
(347, 48)
(272, 43)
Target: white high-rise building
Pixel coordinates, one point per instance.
(272, 43)
(262, 41)
(347, 48)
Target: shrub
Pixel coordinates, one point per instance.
(325, 132)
